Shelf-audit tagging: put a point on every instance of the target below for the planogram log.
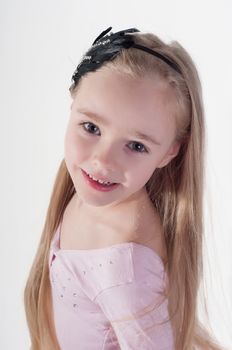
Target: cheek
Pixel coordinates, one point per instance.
(140, 174)
(75, 149)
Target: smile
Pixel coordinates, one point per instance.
(99, 184)
(100, 181)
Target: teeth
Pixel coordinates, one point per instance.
(100, 181)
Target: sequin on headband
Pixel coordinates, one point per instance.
(107, 47)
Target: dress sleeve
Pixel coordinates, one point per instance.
(135, 310)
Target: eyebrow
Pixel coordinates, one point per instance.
(99, 118)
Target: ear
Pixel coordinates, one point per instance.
(170, 154)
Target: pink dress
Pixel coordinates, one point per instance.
(93, 288)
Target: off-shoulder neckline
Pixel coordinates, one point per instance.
(103, 249)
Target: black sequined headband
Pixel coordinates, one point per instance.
(107, 47)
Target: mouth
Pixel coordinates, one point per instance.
(102, 182)
(98, 184)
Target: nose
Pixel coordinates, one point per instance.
(104, 158)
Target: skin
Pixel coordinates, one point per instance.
(125, 213)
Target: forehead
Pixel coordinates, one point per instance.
(145, 103)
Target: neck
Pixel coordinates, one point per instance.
(129, 216)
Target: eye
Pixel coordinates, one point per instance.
(93, 126)
(88, 129)
(140, 146)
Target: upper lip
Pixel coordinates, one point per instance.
(99, 177)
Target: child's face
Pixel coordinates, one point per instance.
(111, 148)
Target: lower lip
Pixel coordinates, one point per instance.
(96, 185)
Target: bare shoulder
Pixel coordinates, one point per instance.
(79, 233)
(153, 238)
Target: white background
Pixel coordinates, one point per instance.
(41, 43)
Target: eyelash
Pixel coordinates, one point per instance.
(86, 130)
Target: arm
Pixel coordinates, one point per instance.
(131, 299)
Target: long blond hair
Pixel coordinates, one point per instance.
(176, 191)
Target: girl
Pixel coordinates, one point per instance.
(120, 258)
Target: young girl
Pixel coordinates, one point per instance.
(120, 258)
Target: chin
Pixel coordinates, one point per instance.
(94, 199)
